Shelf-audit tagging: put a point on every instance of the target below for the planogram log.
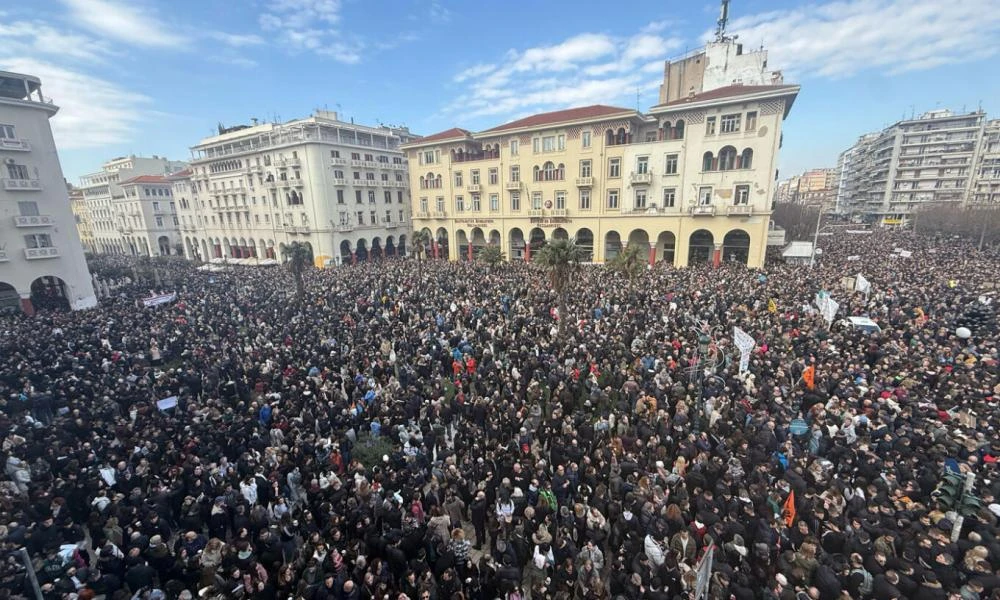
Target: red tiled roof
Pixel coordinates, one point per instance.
(726, 92)
(146, 179)
(180, 174)
(561, 116)
(454, 132)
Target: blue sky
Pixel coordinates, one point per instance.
(154, 77)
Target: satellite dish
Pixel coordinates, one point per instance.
(963, 332)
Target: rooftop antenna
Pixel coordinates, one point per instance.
(720, 29)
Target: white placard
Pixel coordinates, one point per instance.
(861, 284)
(745, 343)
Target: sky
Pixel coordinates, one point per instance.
(154, 77)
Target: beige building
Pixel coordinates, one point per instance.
(41, 259)
(986, 187)
(340, 188)
(691, 181)
(81, 216)
(147, 216)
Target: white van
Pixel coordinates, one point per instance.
(863, 323)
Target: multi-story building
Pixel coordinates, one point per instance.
(913, 163)
(147, 216)
(692, 180)
(340, 188)
(81, 216)
(787, 190)
(112, 215)
(41, 259)
(986, 188)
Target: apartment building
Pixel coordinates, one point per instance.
(691, 180)
(147, 216)
(81, 216)
(116, 220)
(915, 162)
(816, 187)
(340, 188)
(41, 259)
(986, 187)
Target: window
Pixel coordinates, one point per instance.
(373, 217)
(439, 202)
(671, 165)
(340, 196)
(561, 200)
(401, 217)
(640, 199)
(742, 195)
(642, 165)
(28, 209)
(38, 240)
(459, 204)
(371, 197)
(357, 176)
(513, 147)
(399, 197)
(388, 197)
(156, 205)
(669, 197)
(344, 218)
(705, 195)
(361, 217)
(370, 176)
(730, 123)
(710, 126)
(159, 221)
(357, 196)
(428, 157)
(727, 159)
(388, 216)
(515, 201)
(423, 205)
(561, 142)
(338, 174)
(493, 176)
(18, 172)
(746, 159)
(335, 154)
(494, 202)
(615, 167)
(585, 139)
(751, 121)
(707, 162)
(549, 143)
(536, 201)
(7, 132)
(585, 170)
(458, 179)
(613, 199)
(536, 145)
(475, 176)
(584, 199)
(476, 203)
(515, 174)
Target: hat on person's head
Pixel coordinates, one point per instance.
(781, 579)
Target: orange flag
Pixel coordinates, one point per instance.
(788, 511)
(809, 376)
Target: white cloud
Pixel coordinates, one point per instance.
(236, 40)
(589, 68)
(839, 39)
(124, 22)
(439, 13)
(308, 25)
(37, 38)
(93, 112)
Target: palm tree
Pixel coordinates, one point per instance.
(629, 262)
(297, 255)
(561, 258)
(421, 239)
(492, 255)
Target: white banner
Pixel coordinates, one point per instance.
(906, 254)
(822, 297)
(745, 343)
(830, 309)
(704, 573)
(862, 285)
(158, 300)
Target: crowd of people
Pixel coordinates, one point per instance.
(429, 433)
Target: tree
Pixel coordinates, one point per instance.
(629, 262)
(798, 220)
(492, 255)
(560, 258)
(298, 256)
(421, 239)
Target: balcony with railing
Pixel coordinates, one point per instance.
(22, 185)
(288, 162)
(33, 221)
(584, 182)
(512, 186)
(475, 188)
(421, 215)
(641, 178)
(338, 162)
(15, 144)
(339, 181)
(702, 210)
(535, 212)
(739, 209)
(38, 253)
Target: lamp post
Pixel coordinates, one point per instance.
(812, 255)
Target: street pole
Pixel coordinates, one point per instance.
(812, 256)
(30, 569)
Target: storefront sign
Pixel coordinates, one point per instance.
(550, 221)
(479, 222)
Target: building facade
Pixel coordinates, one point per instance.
(112, 216)
(340, 188)
(81, 216)
(928, 160)
(816, 187)
(690, 182)
(986, 188)
(41, 259)
(147, 216)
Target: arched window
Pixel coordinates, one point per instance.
(437, 182)
(679, 130)
(746, 159)
(665, 132)
(609, 136)
(727, 158)
(548, 171)
(706, 162)
(621, 137)
(561, 172)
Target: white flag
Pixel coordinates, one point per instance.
(862, 285)
(745, 343)
(829, 310)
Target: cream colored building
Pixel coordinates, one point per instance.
(147, 216)
(986, 186)
(691, 181)
(81, 216)
(41, 259)
(340, 188)
(112, 216)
